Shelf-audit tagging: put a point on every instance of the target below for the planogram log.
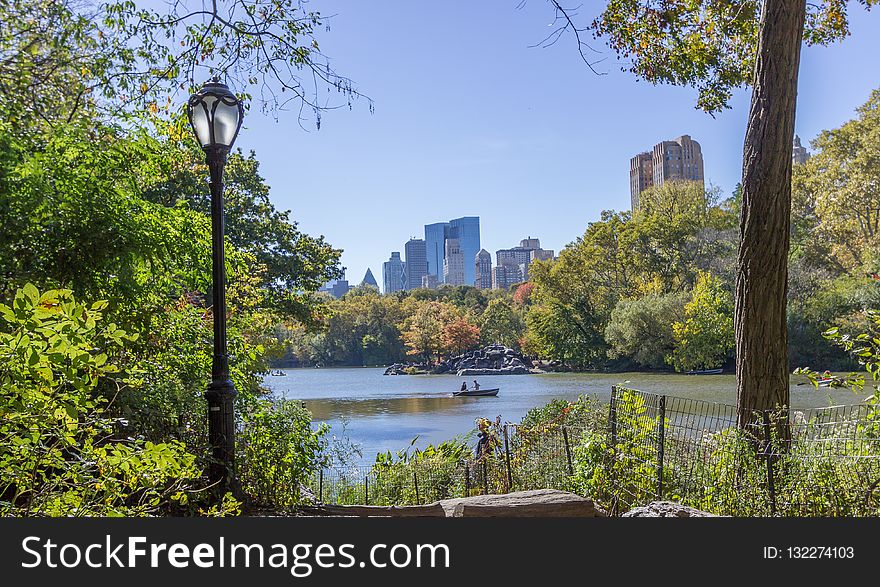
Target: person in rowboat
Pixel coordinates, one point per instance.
(463, 386)
(476, 385)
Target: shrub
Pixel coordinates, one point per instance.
(278, 452)
(60, 454)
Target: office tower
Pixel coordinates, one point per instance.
(392, 273)
(416, 262)
(799, 153)
(453, 264)
(435, 239)
(430, 281)
(670, 160)
(504, 276)
(542, 255)
(641, 176)
(337, 287)
(521, 257)
(483, 270)
(369, 279)
(466, 230)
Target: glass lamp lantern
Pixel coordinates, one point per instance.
(215, 115)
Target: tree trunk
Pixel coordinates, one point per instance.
(762, 266)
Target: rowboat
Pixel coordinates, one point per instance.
(476, 392)
(706, 372)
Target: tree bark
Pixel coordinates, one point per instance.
(762, 377)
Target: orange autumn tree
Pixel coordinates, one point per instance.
(459, 335)
(422, 331)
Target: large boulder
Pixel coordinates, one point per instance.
(666, 509)
(540, 503)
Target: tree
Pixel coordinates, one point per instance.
(836, 193)
(460, 335)
(641, 328)
(677, 232)
(422, 330)
(704, 339)
(717, 47)
(296, 264)
(502, 324)
(59, 58)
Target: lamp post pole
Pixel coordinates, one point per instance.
(216, 114)
(221, 391)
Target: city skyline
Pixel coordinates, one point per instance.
(545, 159)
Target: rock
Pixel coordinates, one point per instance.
(494, 359)
(666, 509)
(540, 503)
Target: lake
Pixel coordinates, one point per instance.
(382, 413)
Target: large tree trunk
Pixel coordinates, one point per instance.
(762, 267)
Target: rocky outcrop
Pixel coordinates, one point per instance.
(512, 370)
(540, 503)
(495, 359)
(408, 369)
(666, 509)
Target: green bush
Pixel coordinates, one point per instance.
(278, 452)
(60, 453)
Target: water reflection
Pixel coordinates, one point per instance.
(331, 409)
(385, 413)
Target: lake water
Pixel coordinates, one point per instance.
(387, 412)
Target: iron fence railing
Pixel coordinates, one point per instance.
(822, 461)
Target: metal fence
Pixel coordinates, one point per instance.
(809, 462)
(820, 462)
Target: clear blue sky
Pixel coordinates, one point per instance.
(469, 120)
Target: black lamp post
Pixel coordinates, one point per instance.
(216, 116)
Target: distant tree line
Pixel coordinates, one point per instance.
(650, 289)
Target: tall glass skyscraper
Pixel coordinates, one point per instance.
(392, 273)
(466, 230)
(416, 263)
(468, 234)
(435, 239)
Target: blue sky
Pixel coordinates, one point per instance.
(471, 121)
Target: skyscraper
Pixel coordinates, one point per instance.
(799, 153)
(468, 234)
(392, 273)
(435, 238)
(453, 264)
(520, 257)
(483, 270)
(503, 276)
(369, 279)
(641, 176)
(416, 262)
(337, 287)
(466, 230)
(678, 159)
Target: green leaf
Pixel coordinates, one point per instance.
(31, 292)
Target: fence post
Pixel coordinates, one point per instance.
(416, 485)
(612, 417)
(612, 430)
(485, 478)
(768, 454)
(567, 450)
(507, 459)
(321, 486)
(661, 438)
(366, 490)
